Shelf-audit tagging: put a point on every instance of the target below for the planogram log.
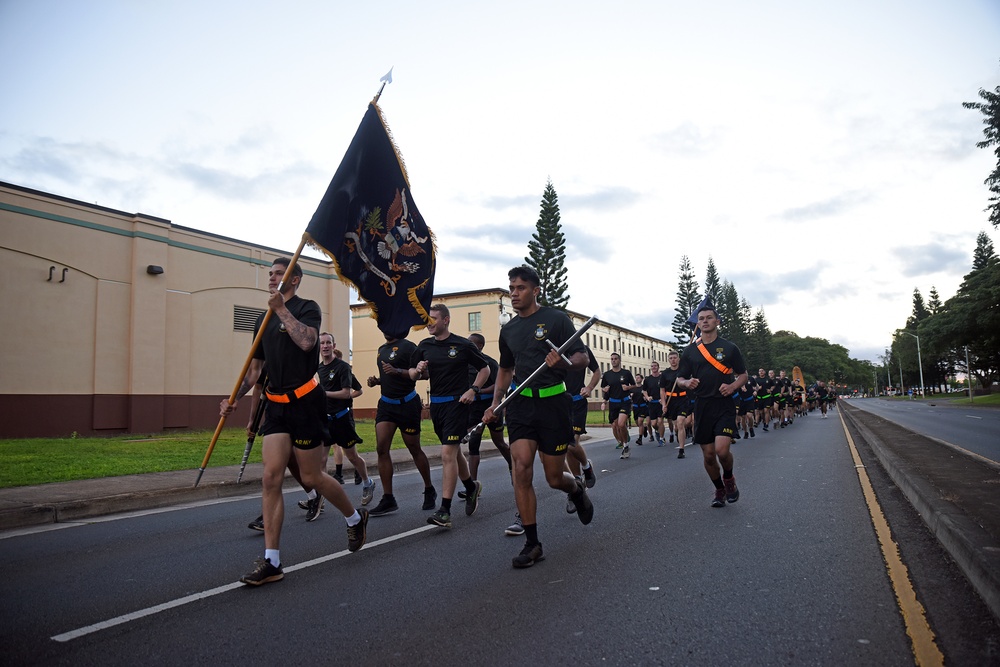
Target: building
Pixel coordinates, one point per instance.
(124, 322)
(485, 311)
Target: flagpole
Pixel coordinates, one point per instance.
(246, 364)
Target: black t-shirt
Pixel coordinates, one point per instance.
(335, 376)
(398, 354)
(448, 361)
(695, 365)
(523, 347)
(785, 385)
(637, 397)
(756, 384)
(575, 377)
(614, 380)
(771, 386)
(289, 366)
(667, 378)
(651, 385)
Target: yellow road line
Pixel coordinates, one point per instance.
(925, 650)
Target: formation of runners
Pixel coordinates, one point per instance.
(704, 393)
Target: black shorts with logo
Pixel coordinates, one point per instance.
(547, 421)
(714, 417)
(304, 420)
(342, 431)
(580, 410)
(451, 421)
(655, 409)
(405, 415)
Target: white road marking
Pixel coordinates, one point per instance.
(195, 597)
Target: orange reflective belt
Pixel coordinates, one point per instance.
(677, 394)
(295, 395)
(712, 360)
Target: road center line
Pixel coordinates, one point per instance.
(195, 597)
(925, 650)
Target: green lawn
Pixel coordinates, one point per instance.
(31, 461)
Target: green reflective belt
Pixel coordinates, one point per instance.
(544, 392)
(765, 396)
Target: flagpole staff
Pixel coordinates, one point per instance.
(246, 364)
(254, 427)
(562, 348)
(385, 79)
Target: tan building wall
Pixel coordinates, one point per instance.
(94, 342)
(487, 309)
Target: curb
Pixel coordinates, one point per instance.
(973, 549)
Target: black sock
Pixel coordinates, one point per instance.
(388, 496)
(446, 505)
(340, 469)
(531, 533)
(727, 474)
(718, 483)
(470, 486)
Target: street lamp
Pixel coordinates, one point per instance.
(919, 364)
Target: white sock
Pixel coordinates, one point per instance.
(272, 555)
(587, 467)
(354, 519)
(369, 483)
(311, 495)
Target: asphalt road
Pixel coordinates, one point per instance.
(974, 429)
(792, 574)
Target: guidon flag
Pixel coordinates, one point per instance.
(369, 225)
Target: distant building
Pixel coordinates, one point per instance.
(485, 311)
(123, 322)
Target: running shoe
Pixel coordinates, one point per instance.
(584, 508)
(304, 504)
(720, 498)
(358, 533)
(368, 492)
(263, 573)
(385, 506)
(516, 528)
(680, 453)
(530, 554)
(339, 477)
(589, 476)
(315, 507)
(732, 493)
(736, 436)
(472, 499)
(671, 437)
(430, 498)
(357, 478)
(638, 440)
(625, 452)
(440, 518)
(752, 434)
(570, 507)
(462, 495)
(257, 524)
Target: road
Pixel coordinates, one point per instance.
(976, 430)
(792, 574)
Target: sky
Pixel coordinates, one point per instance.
(817, 152)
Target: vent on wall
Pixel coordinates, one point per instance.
(245, 317)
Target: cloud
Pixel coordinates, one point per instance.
(608, 199)
(837, 205)
(256, 186)
(686, 139)
(919, 260)
(515, 201)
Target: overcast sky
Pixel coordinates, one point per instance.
(817, 151)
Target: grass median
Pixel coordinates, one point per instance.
(31, 461)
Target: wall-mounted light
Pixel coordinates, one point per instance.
(154, 270)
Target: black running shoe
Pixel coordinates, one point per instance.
(472, 499)
(736, 436)
(570, 507)
(584, 508)
(263, 573)
(530, 554)
(516, 528)
(680, 454)
(440, 518)
(720, 498)
(385, 506)
(625, 453)
(589, 476)
(257, 524)
(315, 507)
(671, 437)
(765, 428)
(430, 498)
(339, 477)
(732, 493)
(304, 504)
(638, 440)
(357, 478)
(462, 495)
(357, 534)
(752, 434)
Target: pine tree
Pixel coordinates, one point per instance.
(547, 252)
(713, 288)
(920, 312)
(991, 112)
(983, 253)
(759, 353)
(688, 299)
(734, 327)
(934, 301)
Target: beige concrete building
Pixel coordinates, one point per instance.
(484, 312)
(122, 322)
